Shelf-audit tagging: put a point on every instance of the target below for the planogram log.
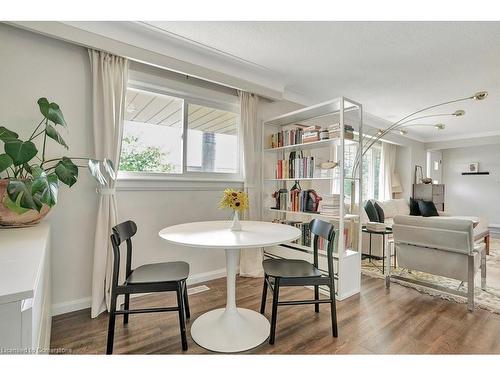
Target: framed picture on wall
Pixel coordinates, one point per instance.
(473, 167)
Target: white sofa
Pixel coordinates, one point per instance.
(393, 207)
(439, 247)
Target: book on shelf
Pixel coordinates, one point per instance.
(334, 131)
(286, 137)
(330, 205)
(299, 167)
(306, 238)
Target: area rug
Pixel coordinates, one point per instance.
(488, 300)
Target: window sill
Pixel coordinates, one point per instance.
(176, 183)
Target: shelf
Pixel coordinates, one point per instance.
(346, 216)
(311, 145)
(347, 253)
(312, 112)
(310, 178)
(474, 173)
(299, 179)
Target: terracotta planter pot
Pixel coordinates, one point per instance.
(11, 219)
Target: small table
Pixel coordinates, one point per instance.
(386, 232)
(231, 329)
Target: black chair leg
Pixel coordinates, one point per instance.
(182, 322)
(127, 307)
(186, 301)
(316, 297)
(333, 307)
(111, 326)
(274, 315)
(264, 296)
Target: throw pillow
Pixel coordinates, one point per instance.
(371, 212)
(380, 212)
(414, 208)
(427, 209)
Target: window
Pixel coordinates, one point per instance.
(158, 128)
(371, 169)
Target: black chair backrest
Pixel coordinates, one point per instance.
(326, 231)
(122, 232)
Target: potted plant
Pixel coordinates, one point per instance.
(29, 182)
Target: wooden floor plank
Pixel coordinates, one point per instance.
(376, 321)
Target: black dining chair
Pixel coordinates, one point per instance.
(295, 272)
(157, 277)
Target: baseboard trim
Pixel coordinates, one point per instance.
(85, 303)
(494, 230)
(70, 306)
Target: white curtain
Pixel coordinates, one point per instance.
(109, 87)
(388, 164)
(251, 259)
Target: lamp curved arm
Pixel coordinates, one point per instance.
(369, 144)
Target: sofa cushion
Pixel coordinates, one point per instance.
(427, 209)
(414, 209)
(402, 206)
(390, 208)
(371, 212)
(380, 212)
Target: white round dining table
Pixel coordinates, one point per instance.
(230, 329)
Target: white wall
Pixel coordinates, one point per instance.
(34, 66)
(472, 195)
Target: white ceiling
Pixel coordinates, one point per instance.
(392, 68)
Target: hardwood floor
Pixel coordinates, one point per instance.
(377, 321)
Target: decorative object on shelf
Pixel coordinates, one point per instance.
(324, 135)
(404, 122)
(30, 185)
(473, 167)
(237, 201)
(328, 165)
(312, 201)
(418, 174)
(426, 180)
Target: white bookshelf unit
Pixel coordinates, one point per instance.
(342, 182)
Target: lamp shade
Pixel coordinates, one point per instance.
(396, 184)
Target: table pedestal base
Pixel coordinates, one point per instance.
(230, 331)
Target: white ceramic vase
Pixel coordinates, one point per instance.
(236, 224)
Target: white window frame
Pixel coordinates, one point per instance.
(154, 179)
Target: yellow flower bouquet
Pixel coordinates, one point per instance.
(237, 201)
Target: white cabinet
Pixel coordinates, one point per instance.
(25, 290)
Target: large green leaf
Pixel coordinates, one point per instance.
(12, 206)
(51, 111)
(45, 187)
(20, 152)
(52, 133)
(66, 171)
(6, 134)
(20, 193)
(5, 162)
